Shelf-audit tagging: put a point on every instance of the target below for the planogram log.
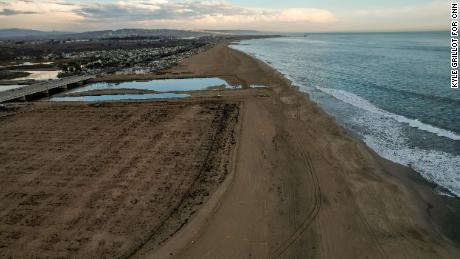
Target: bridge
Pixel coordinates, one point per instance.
(43, 88)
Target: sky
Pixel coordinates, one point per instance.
(263, 15)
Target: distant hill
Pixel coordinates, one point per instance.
(234, 31)
(20, 34)
(138, 33)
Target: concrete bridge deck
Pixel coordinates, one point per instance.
(42, 87)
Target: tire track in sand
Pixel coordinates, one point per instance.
(311, 215)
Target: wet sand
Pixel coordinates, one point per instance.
(245, 173)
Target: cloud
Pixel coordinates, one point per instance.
(7, 12)
(18, 7)
(151, 13)
(86, 15)
(424, 16)
(32, 14)
(273, 19)
(141, 11)
(430, 8)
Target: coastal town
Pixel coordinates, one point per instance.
(99, 53)
(138, 60)
(130, 54)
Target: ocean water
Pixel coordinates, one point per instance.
(391, 89)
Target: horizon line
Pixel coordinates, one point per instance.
(255, 30)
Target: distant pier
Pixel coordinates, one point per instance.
(43, 88)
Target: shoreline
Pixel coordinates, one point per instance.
(406, 174)
(352, 134)
(444, 192)
(434, 211)
(406, 134)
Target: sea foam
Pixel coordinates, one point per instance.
(362, 103)
(385, 135)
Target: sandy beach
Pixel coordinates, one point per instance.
(245, 173)
(303, 189)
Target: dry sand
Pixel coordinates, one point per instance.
(100, 180)
(253, 173)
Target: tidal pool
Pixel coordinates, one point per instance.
(159, 85)
(116, 97)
